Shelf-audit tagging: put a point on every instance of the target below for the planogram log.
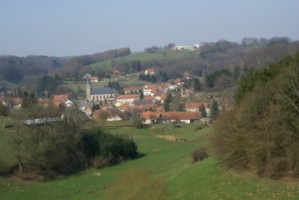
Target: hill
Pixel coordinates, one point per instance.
(261, 133)
(164, 172)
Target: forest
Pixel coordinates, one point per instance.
(220, 64)
(261, 133)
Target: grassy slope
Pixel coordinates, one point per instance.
(130, 79)
(160, 55)
(164, 159)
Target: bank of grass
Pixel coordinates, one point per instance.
(165, 164)
(144, 56)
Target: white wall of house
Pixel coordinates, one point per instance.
(126, 100)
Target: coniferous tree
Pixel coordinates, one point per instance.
(196, 85)
(167, 102)
(214, 110)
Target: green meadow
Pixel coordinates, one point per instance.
(144, 56)
(163, 171)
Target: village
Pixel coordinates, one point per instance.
(168, 102)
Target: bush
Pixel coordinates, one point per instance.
(261, 132)
(138, 122)
(107, 149)
(199, 154)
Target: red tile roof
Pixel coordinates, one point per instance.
(128, 96)
(171, 115)
(58, 99)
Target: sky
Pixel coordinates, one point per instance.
(78, 27)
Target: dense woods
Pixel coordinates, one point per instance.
(220, 64)
(261, 134)
(54, 146)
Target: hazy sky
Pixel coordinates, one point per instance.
(76, 27)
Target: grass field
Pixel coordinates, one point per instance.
(144, 56)
(164, 172)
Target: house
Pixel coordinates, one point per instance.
(183, 117)
(68, 103)
(60, 99)
(94, 79)
(150, 71)
(132, 90)
(149, 117)
(178, 81)
(186, 47)
(44, 102)
(105, 114)
(150, 90)
(16, 102)
(185, 93)
(127, 98)
(115, 72)
(194, 106)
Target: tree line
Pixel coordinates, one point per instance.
(261, 133)
(61, 146)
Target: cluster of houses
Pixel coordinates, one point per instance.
(187, 47)
(147, 100)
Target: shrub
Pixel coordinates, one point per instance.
(261, 132)
(199, 154)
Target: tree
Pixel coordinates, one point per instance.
(141, 94)
(28, 100)
(104, 116)
(203, 111)
(196, 85)
(214, 110)
(261, 133)
(167, 102)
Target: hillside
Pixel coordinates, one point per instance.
(261, 133)
(164, 172)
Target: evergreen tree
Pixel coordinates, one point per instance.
(167, 102)
(196, 85)
(141, 94)
(203, 111)
(214, 109)
(28, 100)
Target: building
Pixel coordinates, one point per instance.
(132, 90)
(94, 79)
(106, 95)
(194, 106)
(127, 98)
(149, 117)
(150, 71)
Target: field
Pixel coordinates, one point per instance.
(163, 172)
(144, 56)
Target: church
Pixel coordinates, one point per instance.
(100, 95)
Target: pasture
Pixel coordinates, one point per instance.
(164, 171)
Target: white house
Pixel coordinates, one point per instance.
(127, 98)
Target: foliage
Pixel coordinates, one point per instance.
(107, 149)
(196, 85)
(115, 85)
(167, 102)
(211, 79)
(214, 109)
(203, 111)
(62, 146)
(199, 154)
(28, 100)
(148, 77)
(261, 133)
(165, 166)
(138, 122)
(46, 85)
